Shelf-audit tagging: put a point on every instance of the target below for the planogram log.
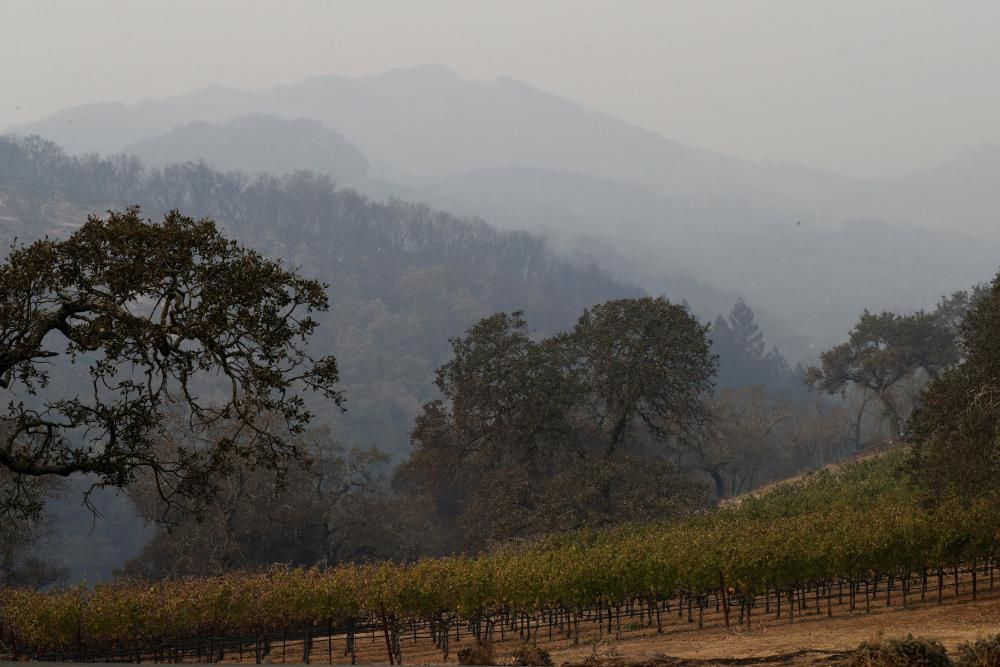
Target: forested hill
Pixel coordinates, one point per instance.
(675, 219)
(256, 143)
(402, 278)
(427, 120)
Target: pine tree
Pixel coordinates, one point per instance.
(747, 336)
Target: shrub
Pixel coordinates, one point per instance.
(530, 655)
(984, 652)
(603, 653)
(480, 653)
(909, 652)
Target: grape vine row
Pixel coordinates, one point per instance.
(863, 523)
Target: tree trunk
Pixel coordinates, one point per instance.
(720, 485)
(725, 598)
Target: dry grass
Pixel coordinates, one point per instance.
(813, 639)
(816, 640)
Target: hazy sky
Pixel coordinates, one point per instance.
(865, 87)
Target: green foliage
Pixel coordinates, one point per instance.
(984, 652)
(756, 436)
(909, 652)
(158, 314)
(568, 431)
(641, 361)
(327, 509)
(743, 356)
(957, 427)
(21, 562)
(883, 351)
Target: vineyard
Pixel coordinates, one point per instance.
(835, 542)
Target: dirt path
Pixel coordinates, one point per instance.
(806, 641)
(822, 631)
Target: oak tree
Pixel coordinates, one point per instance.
(103, 333)
(883, 352)
(577, 429)
(956, 428)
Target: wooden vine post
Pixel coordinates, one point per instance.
(385, 631)
(725, 598)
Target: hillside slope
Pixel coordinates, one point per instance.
(426, 121)
(425, 124)
(808, 279)
(812, 567)
(808, 249)
(257, 143)
(403, 278)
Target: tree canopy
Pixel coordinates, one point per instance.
(165, 317)
(883, 352)
(956, 429)
(576, 429)
(744, 359)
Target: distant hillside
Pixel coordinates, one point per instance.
(808, 280)
(425, 122)
(959, 194)
(807, 248)
(421, 125)
(258, 143)
(403, 277)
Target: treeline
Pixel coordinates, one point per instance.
(610, 421)
(578, 429)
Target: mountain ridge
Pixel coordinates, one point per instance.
(399, 119)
